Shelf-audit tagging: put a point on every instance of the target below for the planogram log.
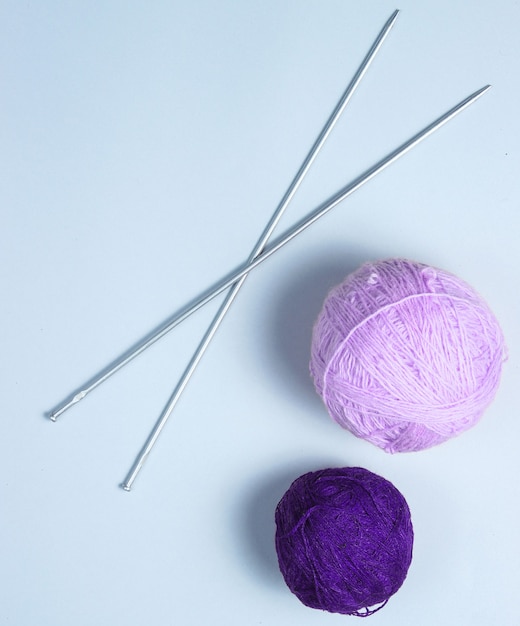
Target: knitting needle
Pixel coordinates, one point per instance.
(260, 246)
(299, 228)
(107, 373)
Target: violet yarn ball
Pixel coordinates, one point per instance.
(344, 540)
(405, 355)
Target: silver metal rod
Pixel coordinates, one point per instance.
(258, 249)
(285, 239)
(340, 107)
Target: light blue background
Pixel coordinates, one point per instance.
(143, 148)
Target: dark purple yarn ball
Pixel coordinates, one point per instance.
(344, 540)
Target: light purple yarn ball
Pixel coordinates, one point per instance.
(406, 356)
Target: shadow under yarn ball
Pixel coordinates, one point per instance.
(344, 540)
(405, 355)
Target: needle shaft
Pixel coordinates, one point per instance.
(170, 325)
(294, 232)
(258, 249)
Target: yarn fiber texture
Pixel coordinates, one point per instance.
(405, 355)
(344, 540)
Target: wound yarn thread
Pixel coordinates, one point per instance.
(344, 540)
(405, 355)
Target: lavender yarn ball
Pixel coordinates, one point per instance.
(406, 356)
(344, 540)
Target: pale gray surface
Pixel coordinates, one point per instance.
(144, 146)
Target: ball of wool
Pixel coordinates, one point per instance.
(405, 355)
(344, 540)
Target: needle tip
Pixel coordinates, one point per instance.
(480, 92)
(125, 487)
(53, 417)
(393, 17)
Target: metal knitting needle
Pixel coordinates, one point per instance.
(260, 246)
(299, 228)
(345, 99)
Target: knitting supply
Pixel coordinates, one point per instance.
(344, 540)
(301, 226)
(260, 246)
(405, 355)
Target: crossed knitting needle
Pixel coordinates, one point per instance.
(260, 253)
